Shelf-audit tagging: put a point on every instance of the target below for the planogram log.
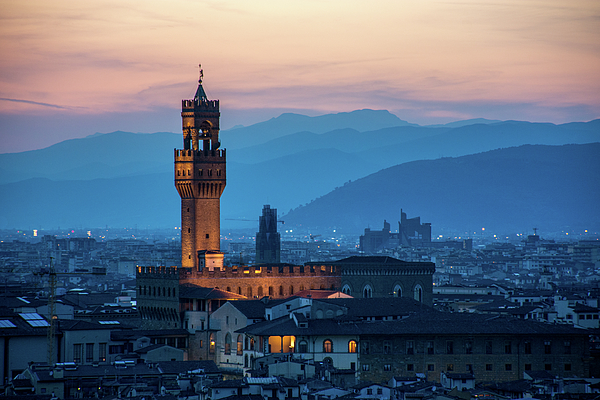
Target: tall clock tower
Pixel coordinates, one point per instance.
(200, 181)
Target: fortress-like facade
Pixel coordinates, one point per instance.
(200, 178)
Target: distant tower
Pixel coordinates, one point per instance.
(200, 181)
(267, 239)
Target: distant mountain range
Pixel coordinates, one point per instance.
(507, 190)
(123, 179)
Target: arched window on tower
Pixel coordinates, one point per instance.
(260, 292)
(418, 293)
(346, 289)
(397, 292)
(367, 292)
(249, 292)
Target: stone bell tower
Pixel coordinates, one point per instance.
(200, 181)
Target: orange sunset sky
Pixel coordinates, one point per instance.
(70, 68)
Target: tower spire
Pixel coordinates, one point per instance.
(200, 95)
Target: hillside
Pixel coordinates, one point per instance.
(125, 179)
(512, 190)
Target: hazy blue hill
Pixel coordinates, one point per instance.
(346, 140)
(549, 187)
(288, 181)
(108, 155)
(458, 124)
(477, 138)
(151, 200)
(288, 123)
(285, 172)
(146, 200)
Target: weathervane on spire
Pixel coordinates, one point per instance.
(201, 73)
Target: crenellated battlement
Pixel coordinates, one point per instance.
(200, 155)
(158, 272)
(198, 104)
(257, 271)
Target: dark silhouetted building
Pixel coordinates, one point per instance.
(268, 240)
(412, 232)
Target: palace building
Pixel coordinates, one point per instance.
(200, 178)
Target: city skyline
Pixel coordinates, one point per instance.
(74, 69)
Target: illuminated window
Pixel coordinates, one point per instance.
(352, 346)
(239, 345)
(211, 344)
(327, 346)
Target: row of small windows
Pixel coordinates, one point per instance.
(156, 291)
(270, 291)
(367, 291)
(429, 348)
(468, 367)
(327, 346)
(239, 345)
(209, 172)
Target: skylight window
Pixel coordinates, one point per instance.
(34, 319)
(4, 323)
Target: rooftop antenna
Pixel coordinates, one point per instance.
(535, 231)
